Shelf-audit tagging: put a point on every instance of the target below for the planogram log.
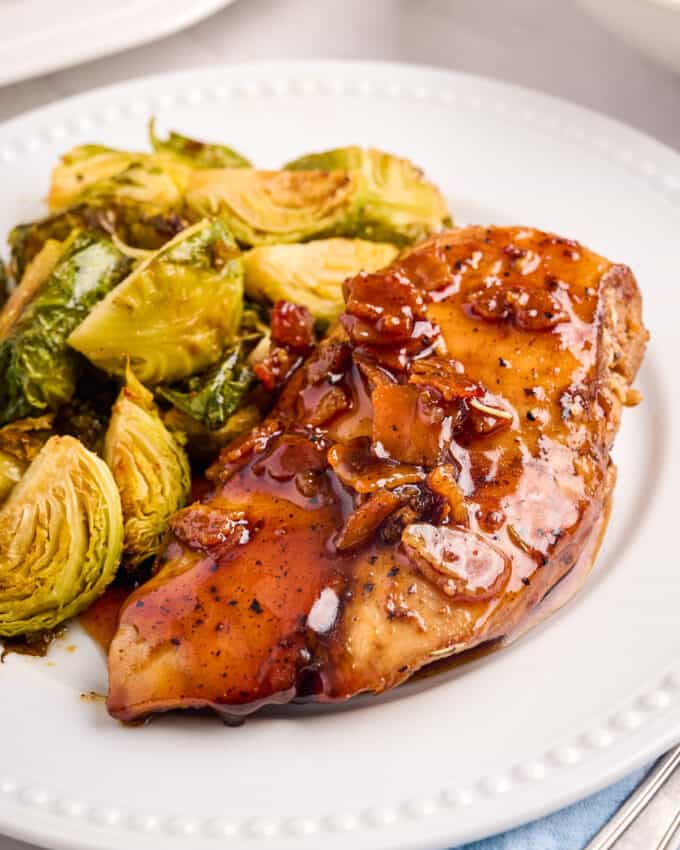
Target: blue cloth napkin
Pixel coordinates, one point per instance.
(570, 828)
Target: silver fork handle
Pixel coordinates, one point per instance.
(638, 800)
(671, 834)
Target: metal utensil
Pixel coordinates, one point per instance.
(637, 802)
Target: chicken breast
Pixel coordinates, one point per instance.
(429, 473)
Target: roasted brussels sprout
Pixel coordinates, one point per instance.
(35, 275)
(37, 368)
(262, 207)
(132, 223)
(61, 536)
(198, 154)
(312, 273)
(150, 468)
(215, 395)
(100, 177)
(20, 442)
(174, 315)
(83, 166)
(396, 203)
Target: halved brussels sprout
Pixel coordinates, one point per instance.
(397, 204)
(20, 443)
(61, 537)
(155, 186)
(174, 315)
(212, 397)
(312, 273)
(37, 368)
(150, 468)
(198, 154)
(134, 224)
(82, 166)
(261, 207)
(101, 176)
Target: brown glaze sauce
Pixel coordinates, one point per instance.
(460, 399)
(100, 621)
(36, 644)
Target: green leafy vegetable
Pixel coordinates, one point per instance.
(20, 443)
(174, 315)
(61, 536)
(150, 468)
(133, 224)
(312, 273)
(263, 207)
(96, 173)
(213, 396)
(198, 154)
(38, 370)
(395, 202)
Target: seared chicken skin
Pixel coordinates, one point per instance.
(429, 473)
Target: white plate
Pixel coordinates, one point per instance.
(37, 36)
(587, 696)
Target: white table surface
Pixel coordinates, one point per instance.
(545, 44)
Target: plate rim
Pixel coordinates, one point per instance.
(665, 181)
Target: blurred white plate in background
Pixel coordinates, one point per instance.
(37, 36)
(653, 26)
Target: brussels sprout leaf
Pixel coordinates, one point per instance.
(213, 396)
(201, 154)
(37, 368)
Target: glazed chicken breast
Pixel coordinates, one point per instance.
(429, 473)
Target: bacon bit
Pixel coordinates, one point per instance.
(209, 529)
(429, 269)
(275, 368)
(253, 441)
(375, 375)
(331, 401)
(528, 309)
(376, 296)
(290, 455)
(382, 309)
(445, 376)
(330, 358)
(357, 467)
(486, 416)
(442, 481)
(363, 521)
(292, 326)
(421, 505)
